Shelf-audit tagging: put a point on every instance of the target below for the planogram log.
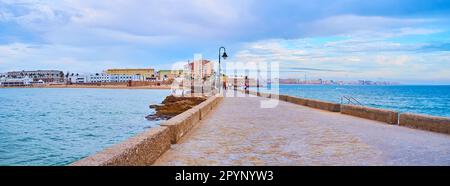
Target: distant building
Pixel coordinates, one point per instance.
(164, 75)
(97, 78)
(15, 82)
(289, 81)
(48, 76)
(125, 78)
(146, 73)
(315, 82)
(77, 78)
(105, 78)
(200, 69)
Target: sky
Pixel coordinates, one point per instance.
(406, 41)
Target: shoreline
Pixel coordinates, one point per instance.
(163, 87)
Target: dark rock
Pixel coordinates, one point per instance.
(172, 106)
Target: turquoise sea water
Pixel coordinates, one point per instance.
(431, 100)
(60, 126)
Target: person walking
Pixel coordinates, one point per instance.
(247, 85)
(224, 82)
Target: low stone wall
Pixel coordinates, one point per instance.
(264, 95)
(182, 123)
(417, 121)
(333, 107)
(281, 97)
(147, 147)
(382, 115)
(424, 122)
(143, 149)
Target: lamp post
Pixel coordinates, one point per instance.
(224, 56)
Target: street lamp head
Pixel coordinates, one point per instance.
(224, 56)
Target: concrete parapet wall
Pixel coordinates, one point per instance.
(147, 147)
(205, 107)
(281, 97)
(142, 149)
(181, 124)
(417, 121)
(382, 115)
(251, 93)
(296, 100)
(184, 122)
(264, 95)
(424, 122)
(333, 107)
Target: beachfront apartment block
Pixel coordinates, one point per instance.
(46, 76)
(102, 78)
(199, 69)
(165, 75)
(15, 82)
(148, 74)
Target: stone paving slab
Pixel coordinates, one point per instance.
(238, 132)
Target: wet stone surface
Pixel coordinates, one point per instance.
(238, 132)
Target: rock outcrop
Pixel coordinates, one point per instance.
(172, 106)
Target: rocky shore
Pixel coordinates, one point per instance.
(172, 106)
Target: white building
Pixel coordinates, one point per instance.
(103, 78)
(77, 78)
(97, 78)
(12, 82)
(125, 78)
(48, 76)
(2, 77)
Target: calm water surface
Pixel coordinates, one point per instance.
(431, 100)
(60, 126)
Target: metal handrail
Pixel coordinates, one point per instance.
(351, 100)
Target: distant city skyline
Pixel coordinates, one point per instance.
(405, 41)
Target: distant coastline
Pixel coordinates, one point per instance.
(160, 87)
(365, 85)
(421, 99)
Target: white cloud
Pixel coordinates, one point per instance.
(93, 35)
(142, 21)
(20, 56)
(350, 59)
(351, 24)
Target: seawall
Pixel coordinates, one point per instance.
(146, 147)
(425, 122)
(416, 121)
(386, 116)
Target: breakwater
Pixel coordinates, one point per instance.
(147, 147)
(423, 122)
(431, 100)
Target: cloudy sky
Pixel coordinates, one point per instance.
(406, 41)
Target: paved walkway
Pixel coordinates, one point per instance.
(239, 132)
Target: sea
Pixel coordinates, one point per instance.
(421, 99)
(61, 126)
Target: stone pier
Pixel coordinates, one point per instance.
(239, 132)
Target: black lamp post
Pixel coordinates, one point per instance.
(224, 56)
